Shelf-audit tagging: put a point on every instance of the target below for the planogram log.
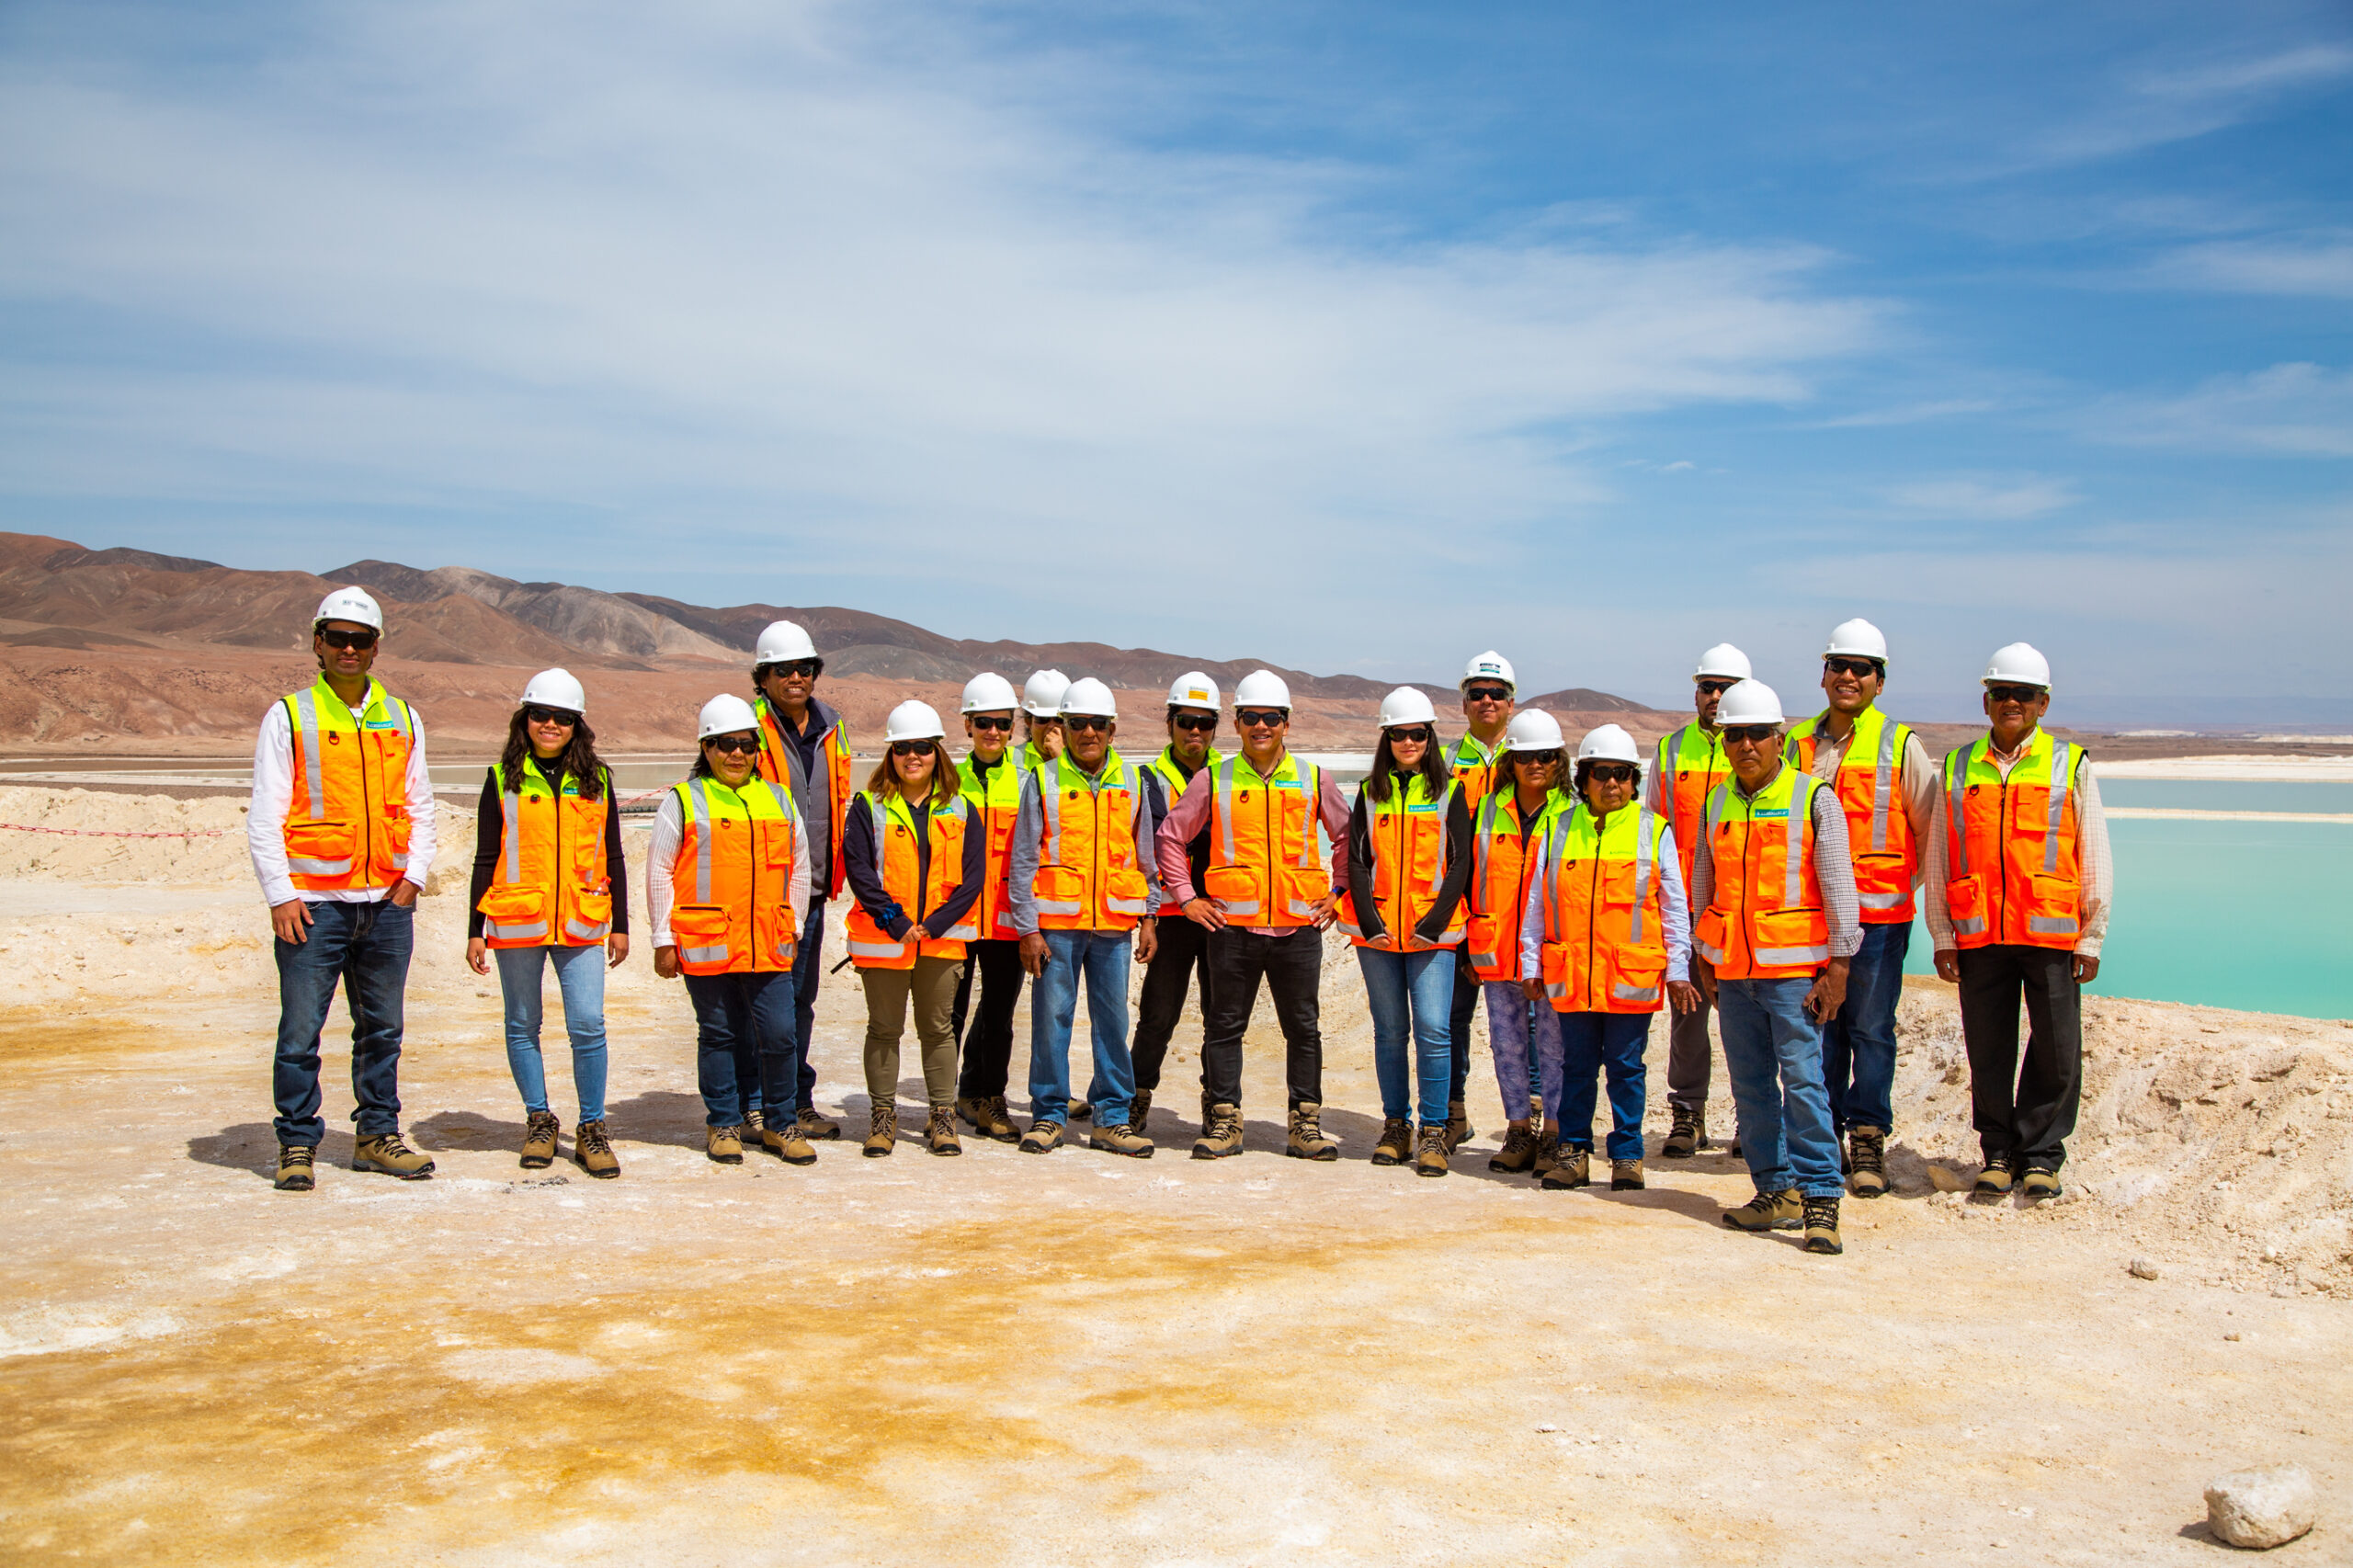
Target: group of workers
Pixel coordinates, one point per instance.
(1765, 870)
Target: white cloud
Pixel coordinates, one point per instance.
(2296, 410)
(1906, 413)
(2154, 108)
(1975, 500)
(2320, 268)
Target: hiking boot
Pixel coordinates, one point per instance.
(754, 1123)
(1574, 1168)
(1688, 1136)
(940, 1131)
(1458, 1128)
(1043, 1136)
(594, 1151)
(1307, 1140)
(1518, 1153)
(1122, 1138)
(1140, 1110)
(1994, 1180)
(881, 1131)
(1207, 1107)
(2041, 1182)
(987, 1117)
(538, 1139)
(294, 1167)
(1395, 1146)
(725, 1144)
(815, 1129)
(1429, 1151)
(1082, 1110)
(389, 1155)
(1769, 1212)
(1866, 1159)
(1626, 1176)
(1821, 1226)
(1548, 1157)
(1221, 1137)
(788, 1144)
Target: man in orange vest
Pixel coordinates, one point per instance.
(1181, 948)
(2018, 886)
(341, 831)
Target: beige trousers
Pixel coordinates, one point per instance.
(932, 982)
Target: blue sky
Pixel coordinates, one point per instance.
(1357, 337)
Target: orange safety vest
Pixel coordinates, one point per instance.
(1501, 867)
(1087, 876)
(1870, 776)
(1408, 832)
(346, 819)
(1266, 863)
(999, 805)
(1173, 783)
(1691, 763)
(1764, 919)
(736, 854)
(898, 867)
(552, 886)
(2013, 872)
(1474, 767)
(1605, 929)
(778, 757)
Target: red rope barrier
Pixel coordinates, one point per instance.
(99, 833)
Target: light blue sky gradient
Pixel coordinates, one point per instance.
(1352, 337)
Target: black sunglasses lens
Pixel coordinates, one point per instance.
(1612, 772)
(1410, 736)
(731, 745)
(1260, 716)
(1195, 723)
(349, 639)
(2013, 693)
(909, 748)
(980, 722)
(551, 716)
(1487, 694)
(1086, 722)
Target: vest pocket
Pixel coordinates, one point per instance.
(320, 849)
(2052, 909)
(1303, 885)
(701, 932)
(1486, 930)
(1234, 886)
(1638, 980)
(515, 904)
(596, 908)
(1965, 902)
(1707, 934)
(1126, 883)
(1059, 890)
(1788, 929)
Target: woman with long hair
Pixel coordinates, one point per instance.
(917, 861)
(1409, 864)
(1506, 832)
(545, 846)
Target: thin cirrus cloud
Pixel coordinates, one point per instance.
(2314, 267)
(2154, 107)
(1978, 500)
(2291, 410)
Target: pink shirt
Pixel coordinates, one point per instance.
(1192, 814)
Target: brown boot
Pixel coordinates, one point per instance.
(1458, 1127)
(724, 1145)
(1625, 1175)
(939, 1132)
(1429, 1151)
(594, 1151)
(883, 1130)
(987, 1117)
(294, 1167)
(1121, 1138)
(1821, 1226)
(538, 1139)
(1574, 1169)
(1044, 1136)
(1688, 1136)
(1307, 1140)
(815, 1129)
(389, 1155)
(787, 1144)
(1866, 1159)
(1222, 1137)
(1781, 1211)
(1140, 1110)
(754, 1123)
(1518, 1153)
(1207, 1106)
(1396, 1142)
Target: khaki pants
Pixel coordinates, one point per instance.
(932, 982)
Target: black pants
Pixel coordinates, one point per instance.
(2022, 1111)
(1458, 1019)
(988, 1055)
(1290, 964)
(1183, 950)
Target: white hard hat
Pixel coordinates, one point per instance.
(1087, 695)
(913, 720)
(987, 693)
(723, 715)
(349, 604)
(1748, 702)
(1721, 660)
(1608, 742)
(1489, 665)
(1406, 705)
(782, 642)
(1856, 639)
(1042, 694)
(1532, 729)
(555, 688)
(1262, 689)
(1193, 689)
(2021, 662)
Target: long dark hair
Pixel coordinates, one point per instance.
(579, 759)
(1384, 765)
(945, 784)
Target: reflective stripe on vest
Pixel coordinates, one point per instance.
(1881, 889)
(1111, 849)
(348, 827)
(2040, 896)
(1604, 953)
(781, 955)
(1799, 894)
(1309, 781)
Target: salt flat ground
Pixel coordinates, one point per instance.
(1002, 1357)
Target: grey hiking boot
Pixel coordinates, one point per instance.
(1121, 1139)
(1518, 1153)
(1573, 1170)
(389, 1155)
(1866, 1159)
(1821, 1226)
(1769, 1212)
(294, 1167)
(1221, 1137)
(1688, 1136)
(538, 1139)
(1395, 1146)
(594, 1151)
(1307, 1141)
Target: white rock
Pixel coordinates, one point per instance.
(2261, 1507)
(2145, 1269)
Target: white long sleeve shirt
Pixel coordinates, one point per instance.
(274, 790)
(661, 860)
(1674, 907)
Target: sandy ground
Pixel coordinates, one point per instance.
(1006, 1359)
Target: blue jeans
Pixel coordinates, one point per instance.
(1592, 1042)
(364, 947)
(808, 968)
(1859, 1042)
(1102, 956)
(580, 980)
(1773, 1055)
(745, 1041)
(1517, 1030)
(1413, 990)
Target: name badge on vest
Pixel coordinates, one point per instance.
(1770, 811)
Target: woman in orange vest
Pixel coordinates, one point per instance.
(545, 843)
(1409, 864)
(917, 861)
(1605, 939)
(1507, 836)
(726, 883)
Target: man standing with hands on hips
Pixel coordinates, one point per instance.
(341, 831)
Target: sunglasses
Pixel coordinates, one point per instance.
(1715, 688)
(1419, 735)
(1750, 734)
(2015, 693)
(1853, 667)
(347, 640)
(730, 744)
(985, 721)
(1486, 694)
(1252, 718)
(1195, 722)
(791, 667)
(537, 715)
(1086, 721)
(912, 748)
(1535, 758)
(1613, 772)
